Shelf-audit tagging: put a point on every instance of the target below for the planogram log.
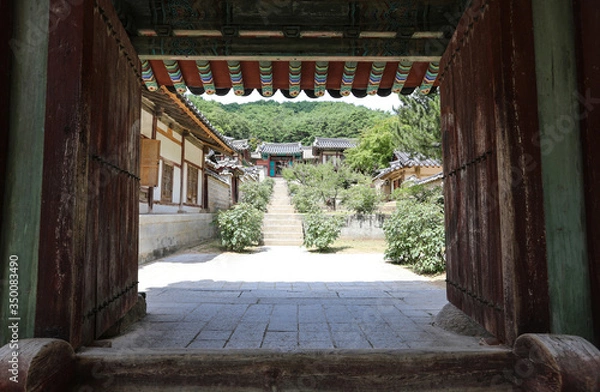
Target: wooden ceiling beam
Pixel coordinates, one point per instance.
(292, 16)
(291, 49)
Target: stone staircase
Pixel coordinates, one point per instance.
(281, 225)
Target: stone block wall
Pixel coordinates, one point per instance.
(163, 234)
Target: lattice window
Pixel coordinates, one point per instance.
(166, 187)
(192, 185)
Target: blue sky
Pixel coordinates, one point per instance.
(372, 102)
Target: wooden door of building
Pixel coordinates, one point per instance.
(89, 220)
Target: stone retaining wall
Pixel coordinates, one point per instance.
(364, 227)
(163, 234)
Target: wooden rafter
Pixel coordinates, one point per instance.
(263, 49)
(219, 145)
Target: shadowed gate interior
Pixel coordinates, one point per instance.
(519, 122)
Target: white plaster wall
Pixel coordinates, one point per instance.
(162, 234)
(177, 184)
(169, 149)
(146, 123)
(158, 188)
(193, 154)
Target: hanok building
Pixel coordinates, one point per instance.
(406, 166)
(331, 149)
(518, 82)
(177, 188)
(277, 156)
(175, 139)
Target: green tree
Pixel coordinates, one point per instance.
(419, 125)
(375, 147)
(326, 181)
(289, 122)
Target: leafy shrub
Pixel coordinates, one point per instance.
(361, 199)
(415, 236)
(258, 194)
(420, 193)
(305, 200)
(321, 230)
(240, 227)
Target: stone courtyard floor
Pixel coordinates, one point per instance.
(286, 298)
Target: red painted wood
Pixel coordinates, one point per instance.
(89, 230)
(587, 15)
(251, 74)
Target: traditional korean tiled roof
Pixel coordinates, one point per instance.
(324, 143)
(405, 160)
(281, 149)
(412, 160)
(182, 110)
(432, 178)
(241, 145)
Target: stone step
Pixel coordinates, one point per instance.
(267, 370)
(281, 210)
(283, 236)
(282, 242)
(283, 215)
(282, 228)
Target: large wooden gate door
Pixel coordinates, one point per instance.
(89, 228)
(494, 208)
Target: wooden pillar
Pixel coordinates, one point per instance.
(587, 15)
(25, 151)
(6, 8)
(155, 116)
(182, 197)
(562, 167)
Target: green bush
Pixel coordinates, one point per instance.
(305, 200)
(258, 194)
(321, 230)
(361, 199)
(420, 193)
(240, 227)
(415, 236)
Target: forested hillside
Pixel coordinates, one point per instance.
(302, 121)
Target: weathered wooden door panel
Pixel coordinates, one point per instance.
(88, 233)
(114, 145)
(492, 189)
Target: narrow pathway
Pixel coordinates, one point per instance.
(281, 225)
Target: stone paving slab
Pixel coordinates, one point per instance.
(286, 298)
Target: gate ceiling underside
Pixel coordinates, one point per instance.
(337, 46)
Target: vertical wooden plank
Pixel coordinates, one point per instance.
(519, 173)
(64, 198)
(478, 92)
(489, 69)
(587, 14)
